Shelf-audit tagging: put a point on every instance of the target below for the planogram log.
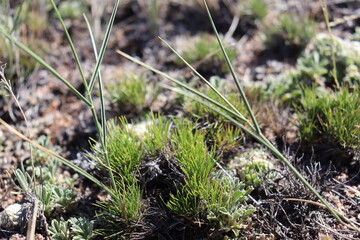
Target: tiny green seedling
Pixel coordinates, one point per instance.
(59, 230)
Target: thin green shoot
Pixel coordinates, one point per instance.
(326, 16)
(46, 66)
(232, 71)
(103, 46)
(73, 50)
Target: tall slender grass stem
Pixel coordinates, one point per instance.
(102, 107)
(103, 45)
(232, 71)
(46, 66)
(73, 50)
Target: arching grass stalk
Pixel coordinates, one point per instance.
(233, 115)
(88, 99)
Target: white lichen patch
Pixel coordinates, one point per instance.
(10, 216)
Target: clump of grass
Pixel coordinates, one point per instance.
(203, 51)
(252, 9)
(330, 118)
(124, 154)
(157, 134)
(289, 30)
(133, 92)
(196, 164)
(72, 9)
(220, 197)
(123, 148)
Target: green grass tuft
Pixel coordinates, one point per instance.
(256, 9)
(289, 30)
(133, 92)
(330, 118)
(157, 134)
(203, 51)
(124, 153)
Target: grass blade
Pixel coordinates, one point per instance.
(73, 50)
(103, 46)
(102, 106)
(234, 75)
(203, 79)
(47, 66)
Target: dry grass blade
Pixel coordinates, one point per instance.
(352, 226)
(30, 234)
